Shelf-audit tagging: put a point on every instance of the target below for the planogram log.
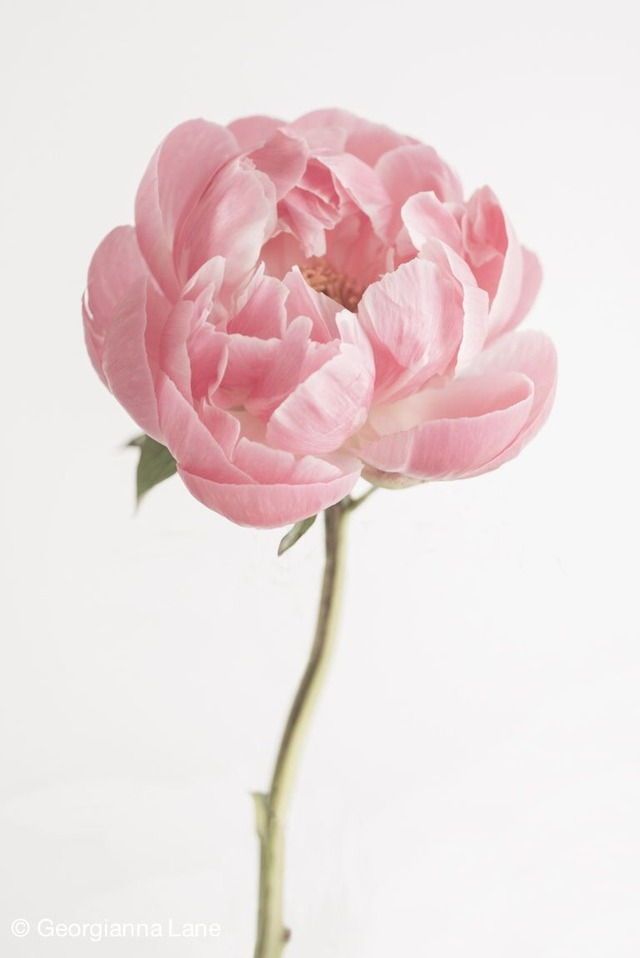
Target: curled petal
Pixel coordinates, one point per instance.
(130, 360)
(233, 219)
(510, 274)
(426, 218)
(413, 169)
(411, 318)
(463, 427)
(326, 409)
(117, 266)
(340, 130)
(283, 158)
(173, 183)
(250, 132)
(268, 505)
(532, 354)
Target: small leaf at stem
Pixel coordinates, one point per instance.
(155, 464)
(295, 532)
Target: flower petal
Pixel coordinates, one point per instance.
(414, 325)
(326, 409)
(173, 183)
(532, 354)
(129, 362)
(269, 505)
(466, 424)
(116, 266)
(232, 219)
(283, 158)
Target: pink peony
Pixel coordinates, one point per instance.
(301, 304)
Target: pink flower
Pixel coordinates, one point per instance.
(299, 304)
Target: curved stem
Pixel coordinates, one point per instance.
(271, 808)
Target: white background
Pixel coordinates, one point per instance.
(471, 785)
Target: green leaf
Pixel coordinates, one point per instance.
(155, 464)
(295, 532)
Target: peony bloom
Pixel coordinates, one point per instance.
(301, 304)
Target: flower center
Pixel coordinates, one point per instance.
(322, 277)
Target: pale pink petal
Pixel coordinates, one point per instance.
(116, 266)
(416, 169)
(533, 354)
(262, 463)
(326, 409)
(265, 505)
(189, 440)
(468, 423)
(411, 318)
(334, 129)
(426, 218)
(129, 370)
(233, 219)
(531, 281)
(474, 301)
(361, 185)
(510, 274)
(303, 300)
(283, 158)
(263, 314)
(173, 183)
(252, 131)
(261, 372)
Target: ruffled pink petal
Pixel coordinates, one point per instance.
(233, 219)
(189, 440)
(474, 301)
(129, 365)
(252, 131)
(413, 322)
(531, 282)
(510, 274)
(283, 158)
(426, 218)
(465, 425)
(173, 183)
(362, 186)
(326, 409)
(261, 372)
(416, 169)
(117, 265)
(334, 129)
(532, 354)
(262, 313)
(269, 505)
(303, 300)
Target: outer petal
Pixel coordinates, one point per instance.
(269, 505)
(426, 218)
(188, 438)
(413, 322)
(416, 169)
(326, 409)
(533, 354)
(465, 426)
(116, 267)
(232, 220)
(334, 129)
(510, 274)
(173, 183)
(303, 300)
(283, 158)
(252, 131)
(130, 353)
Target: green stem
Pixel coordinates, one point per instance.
(271, 808)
